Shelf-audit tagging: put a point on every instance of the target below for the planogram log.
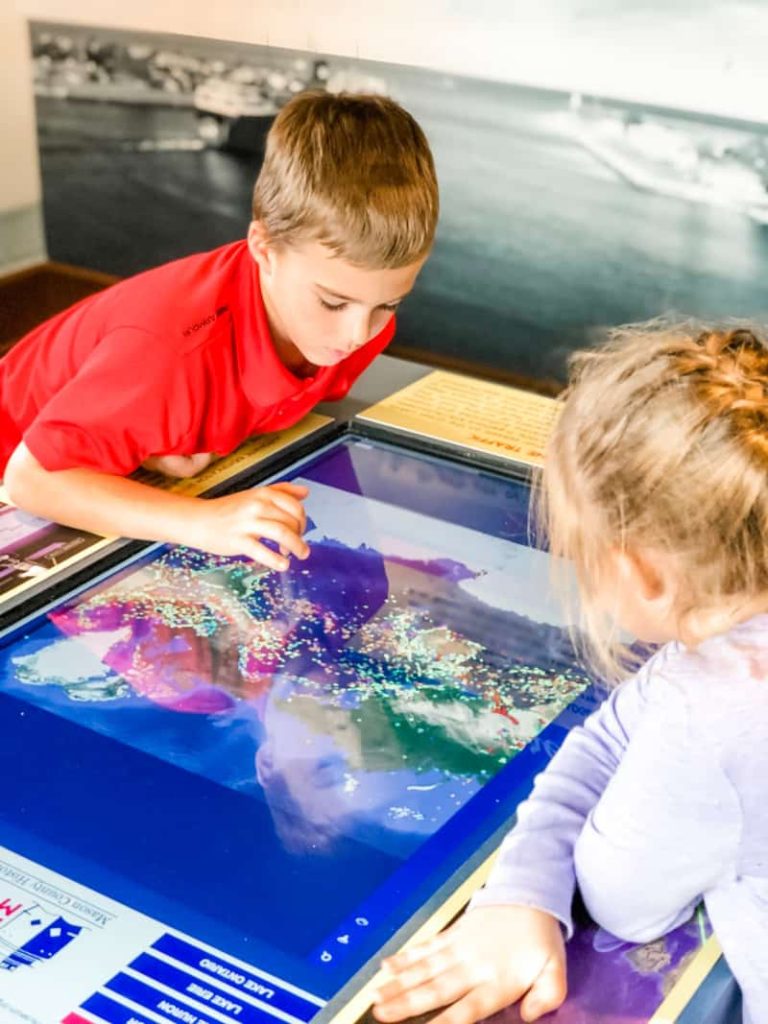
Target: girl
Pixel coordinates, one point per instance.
(656, 487)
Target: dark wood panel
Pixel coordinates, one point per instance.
(32, 295)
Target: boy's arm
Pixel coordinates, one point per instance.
(115, 506)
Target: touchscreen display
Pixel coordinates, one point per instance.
(290, 767)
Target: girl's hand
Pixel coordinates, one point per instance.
(238, 523)
(491, 957)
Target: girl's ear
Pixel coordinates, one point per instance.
(647, 574)
(260, 247)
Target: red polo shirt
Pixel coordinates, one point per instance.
(176, 360)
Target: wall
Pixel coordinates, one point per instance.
(21, 229)
(706, 56)
(558, 217)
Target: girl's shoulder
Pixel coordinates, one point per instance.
(719, 689)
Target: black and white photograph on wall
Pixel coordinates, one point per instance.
(562, 211)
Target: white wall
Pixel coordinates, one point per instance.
(21, 238)
(708, 55)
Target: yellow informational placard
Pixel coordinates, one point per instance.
(473, 414)
(33, 550)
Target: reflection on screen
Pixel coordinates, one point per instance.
(364, 697)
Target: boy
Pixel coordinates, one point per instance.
(183, 362)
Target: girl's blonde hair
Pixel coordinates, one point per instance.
(662, 444)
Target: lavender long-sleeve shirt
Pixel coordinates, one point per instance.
(658, 800)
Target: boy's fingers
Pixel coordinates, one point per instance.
(300, 490)
(547, 992)
(265, 512)
(288, 504)
(263, 555)
(283, 536)
(293, 492)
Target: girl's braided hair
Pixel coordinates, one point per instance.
(662, 443)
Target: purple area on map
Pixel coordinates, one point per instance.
(615, 982)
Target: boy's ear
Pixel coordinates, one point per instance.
(260, 246)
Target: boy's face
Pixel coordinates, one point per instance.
(321, 305)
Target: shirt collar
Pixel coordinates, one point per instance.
(265, 379)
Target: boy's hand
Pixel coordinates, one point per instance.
(179, 466)
(489, 958)
(236, 524)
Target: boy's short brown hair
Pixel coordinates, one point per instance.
(353, 172)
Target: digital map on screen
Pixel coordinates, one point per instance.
(374, 714)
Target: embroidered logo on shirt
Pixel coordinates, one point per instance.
(193, 328)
